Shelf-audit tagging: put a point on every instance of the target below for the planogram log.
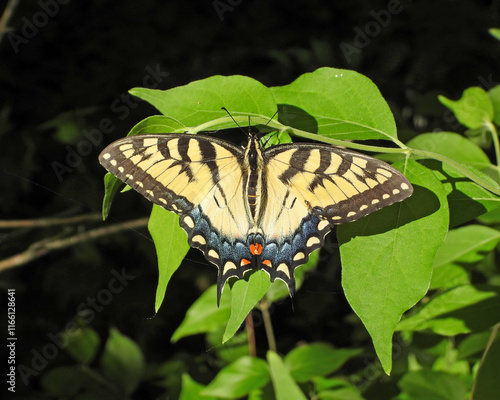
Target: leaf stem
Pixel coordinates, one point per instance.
(459, 167)
(266, 316)
(494, 136)
(402, 149)
(353, 145)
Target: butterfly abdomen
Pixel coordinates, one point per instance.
(253, 157)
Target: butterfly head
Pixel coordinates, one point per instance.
(254, 134)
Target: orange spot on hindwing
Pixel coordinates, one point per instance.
(256, 249)
(267, 263)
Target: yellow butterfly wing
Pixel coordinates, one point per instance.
(198, 177)
(311, 187)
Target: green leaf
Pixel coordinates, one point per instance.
(387, 257)
(451, 145)
(64, 382)
(191, 389)
(347, 393)
(231, 350)
(473, 345)
(495, 32)
(337, 103)
(111, 186)
(432, 385)
(465, 245)
(171, 247)
(472, 109)
(460, 310)
(488, 376)
(157, 124)
(200, 101)
(244, 296)
(285, 387)
(204, 315)
(82, 344)
(122, 361)
(466, 199)
(168, 375)
(494, 95)
(238, 378)
(317, 359)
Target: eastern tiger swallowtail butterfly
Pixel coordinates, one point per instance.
(250, 208)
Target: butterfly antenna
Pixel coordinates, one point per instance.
(228, 113)
(275, 132)
(270, 119)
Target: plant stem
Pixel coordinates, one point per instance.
(493, 335)
(459, 167)
(252, 348)
(264, 308)
(402, 149)
(494, 136)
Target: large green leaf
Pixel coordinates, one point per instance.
(387, 257)
(317, 359)
(472, 109)
(336, 103)
(466, 199)
(245, 295)
(204, 315)
(460, 310)
(285, 387)
(200, 101)
(451, 145)
(465, 245)
(122, 361)
(238, 379)
(432, 385)
(171, 247)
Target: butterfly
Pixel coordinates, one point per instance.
(252, 208)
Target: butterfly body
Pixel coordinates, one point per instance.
(254, 208)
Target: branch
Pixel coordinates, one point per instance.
(264, 309)
(7, 13)
(39, 249)
(252, 349)
(45, 222)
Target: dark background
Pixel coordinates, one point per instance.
(65, 68)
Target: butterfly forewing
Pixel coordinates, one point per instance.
(335, 184)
